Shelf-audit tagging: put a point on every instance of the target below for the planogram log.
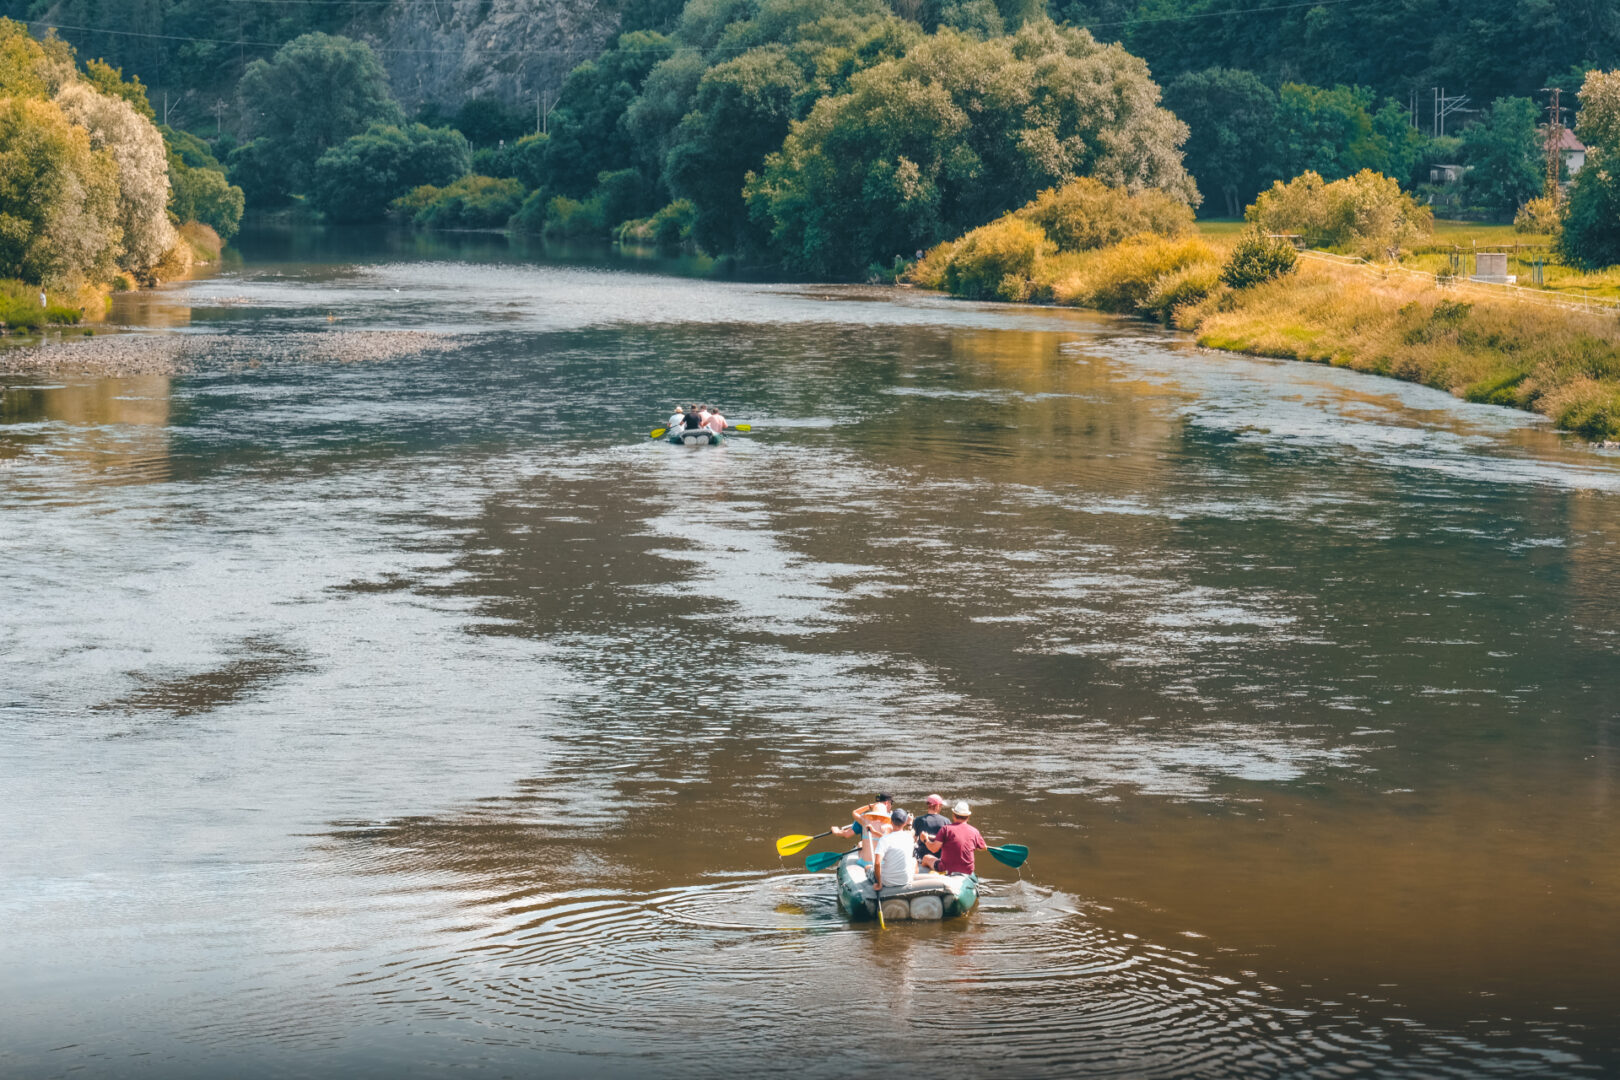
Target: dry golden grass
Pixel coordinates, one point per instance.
(1482, 346)
(1564, 364)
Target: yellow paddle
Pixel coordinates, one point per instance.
(792, 845)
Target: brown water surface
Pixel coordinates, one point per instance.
(405, 717)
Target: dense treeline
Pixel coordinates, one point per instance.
(828, 135)
(1485, 48)
(85, 175)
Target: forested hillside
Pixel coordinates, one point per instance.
(830, 136)
(445, 51)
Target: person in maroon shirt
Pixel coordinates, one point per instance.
(958, 841)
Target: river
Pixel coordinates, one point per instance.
(419, 714)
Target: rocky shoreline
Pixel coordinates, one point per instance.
(117, 355)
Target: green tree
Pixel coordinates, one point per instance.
(1231, 119)
(487, 121)
(110, 81)
(357, 179)
(743, 110)
(955, 133)
(1337, 133)
(316, 91)
(198, 189)
(58, 198)
(587, 130)
(1503, 156)
(1591, 235)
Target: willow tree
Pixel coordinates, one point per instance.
(135, 145)
(956, 132)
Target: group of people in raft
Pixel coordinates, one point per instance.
(898, 847)
(693, 417)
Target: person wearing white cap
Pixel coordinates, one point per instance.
(958, 841)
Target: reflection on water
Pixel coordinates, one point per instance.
(423, 714)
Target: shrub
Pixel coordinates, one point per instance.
(1085, 214)
(204, 195)
(358, 178)
(20, 310)
(929, 271)
(1189, 285)
(997, 261)
(473, 202)
(1544, 215)
(1258, 258)
(670, 227)
(204, 242)
(1367, 213)
(1122, 278)
(574, 220)
(531, 216)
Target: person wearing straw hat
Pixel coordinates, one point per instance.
(958, 841)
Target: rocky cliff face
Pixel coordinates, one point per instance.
(447, 51)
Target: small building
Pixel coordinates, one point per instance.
(1572, 150)
(1446, 174)
(1491, 267)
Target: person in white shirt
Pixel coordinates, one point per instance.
(894, 858)
(678, 419)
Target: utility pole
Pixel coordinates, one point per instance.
(219, 117)
(1444, 106)
(1555, 143)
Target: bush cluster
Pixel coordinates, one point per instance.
(1086, 213)
(1257, 258)
(20, 308)
(472, 202)
(1367, 213)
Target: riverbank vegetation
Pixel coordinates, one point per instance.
(1252, 292)
(86, 201)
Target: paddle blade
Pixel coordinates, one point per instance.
(792, 845)
(1010, 854)
(823, 860)
(742, 427)
(658, 433)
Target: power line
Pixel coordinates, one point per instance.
(1209, 14)
(279, 44)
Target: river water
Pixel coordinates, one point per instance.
(419, 714)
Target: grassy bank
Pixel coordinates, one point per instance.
(1484, 347)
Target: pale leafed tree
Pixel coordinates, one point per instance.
(137, 148)
(58, 198)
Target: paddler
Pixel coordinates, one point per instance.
(715, 422)
(868, 822)
(927, 829)
(894, 863)
(693, 418)
(958, 841)
(677, 418)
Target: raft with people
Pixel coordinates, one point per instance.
(696, 425)
(906, 867)
(927, 897)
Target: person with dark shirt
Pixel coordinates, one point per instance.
(928, 827)
(694, 419)
(958, 841)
